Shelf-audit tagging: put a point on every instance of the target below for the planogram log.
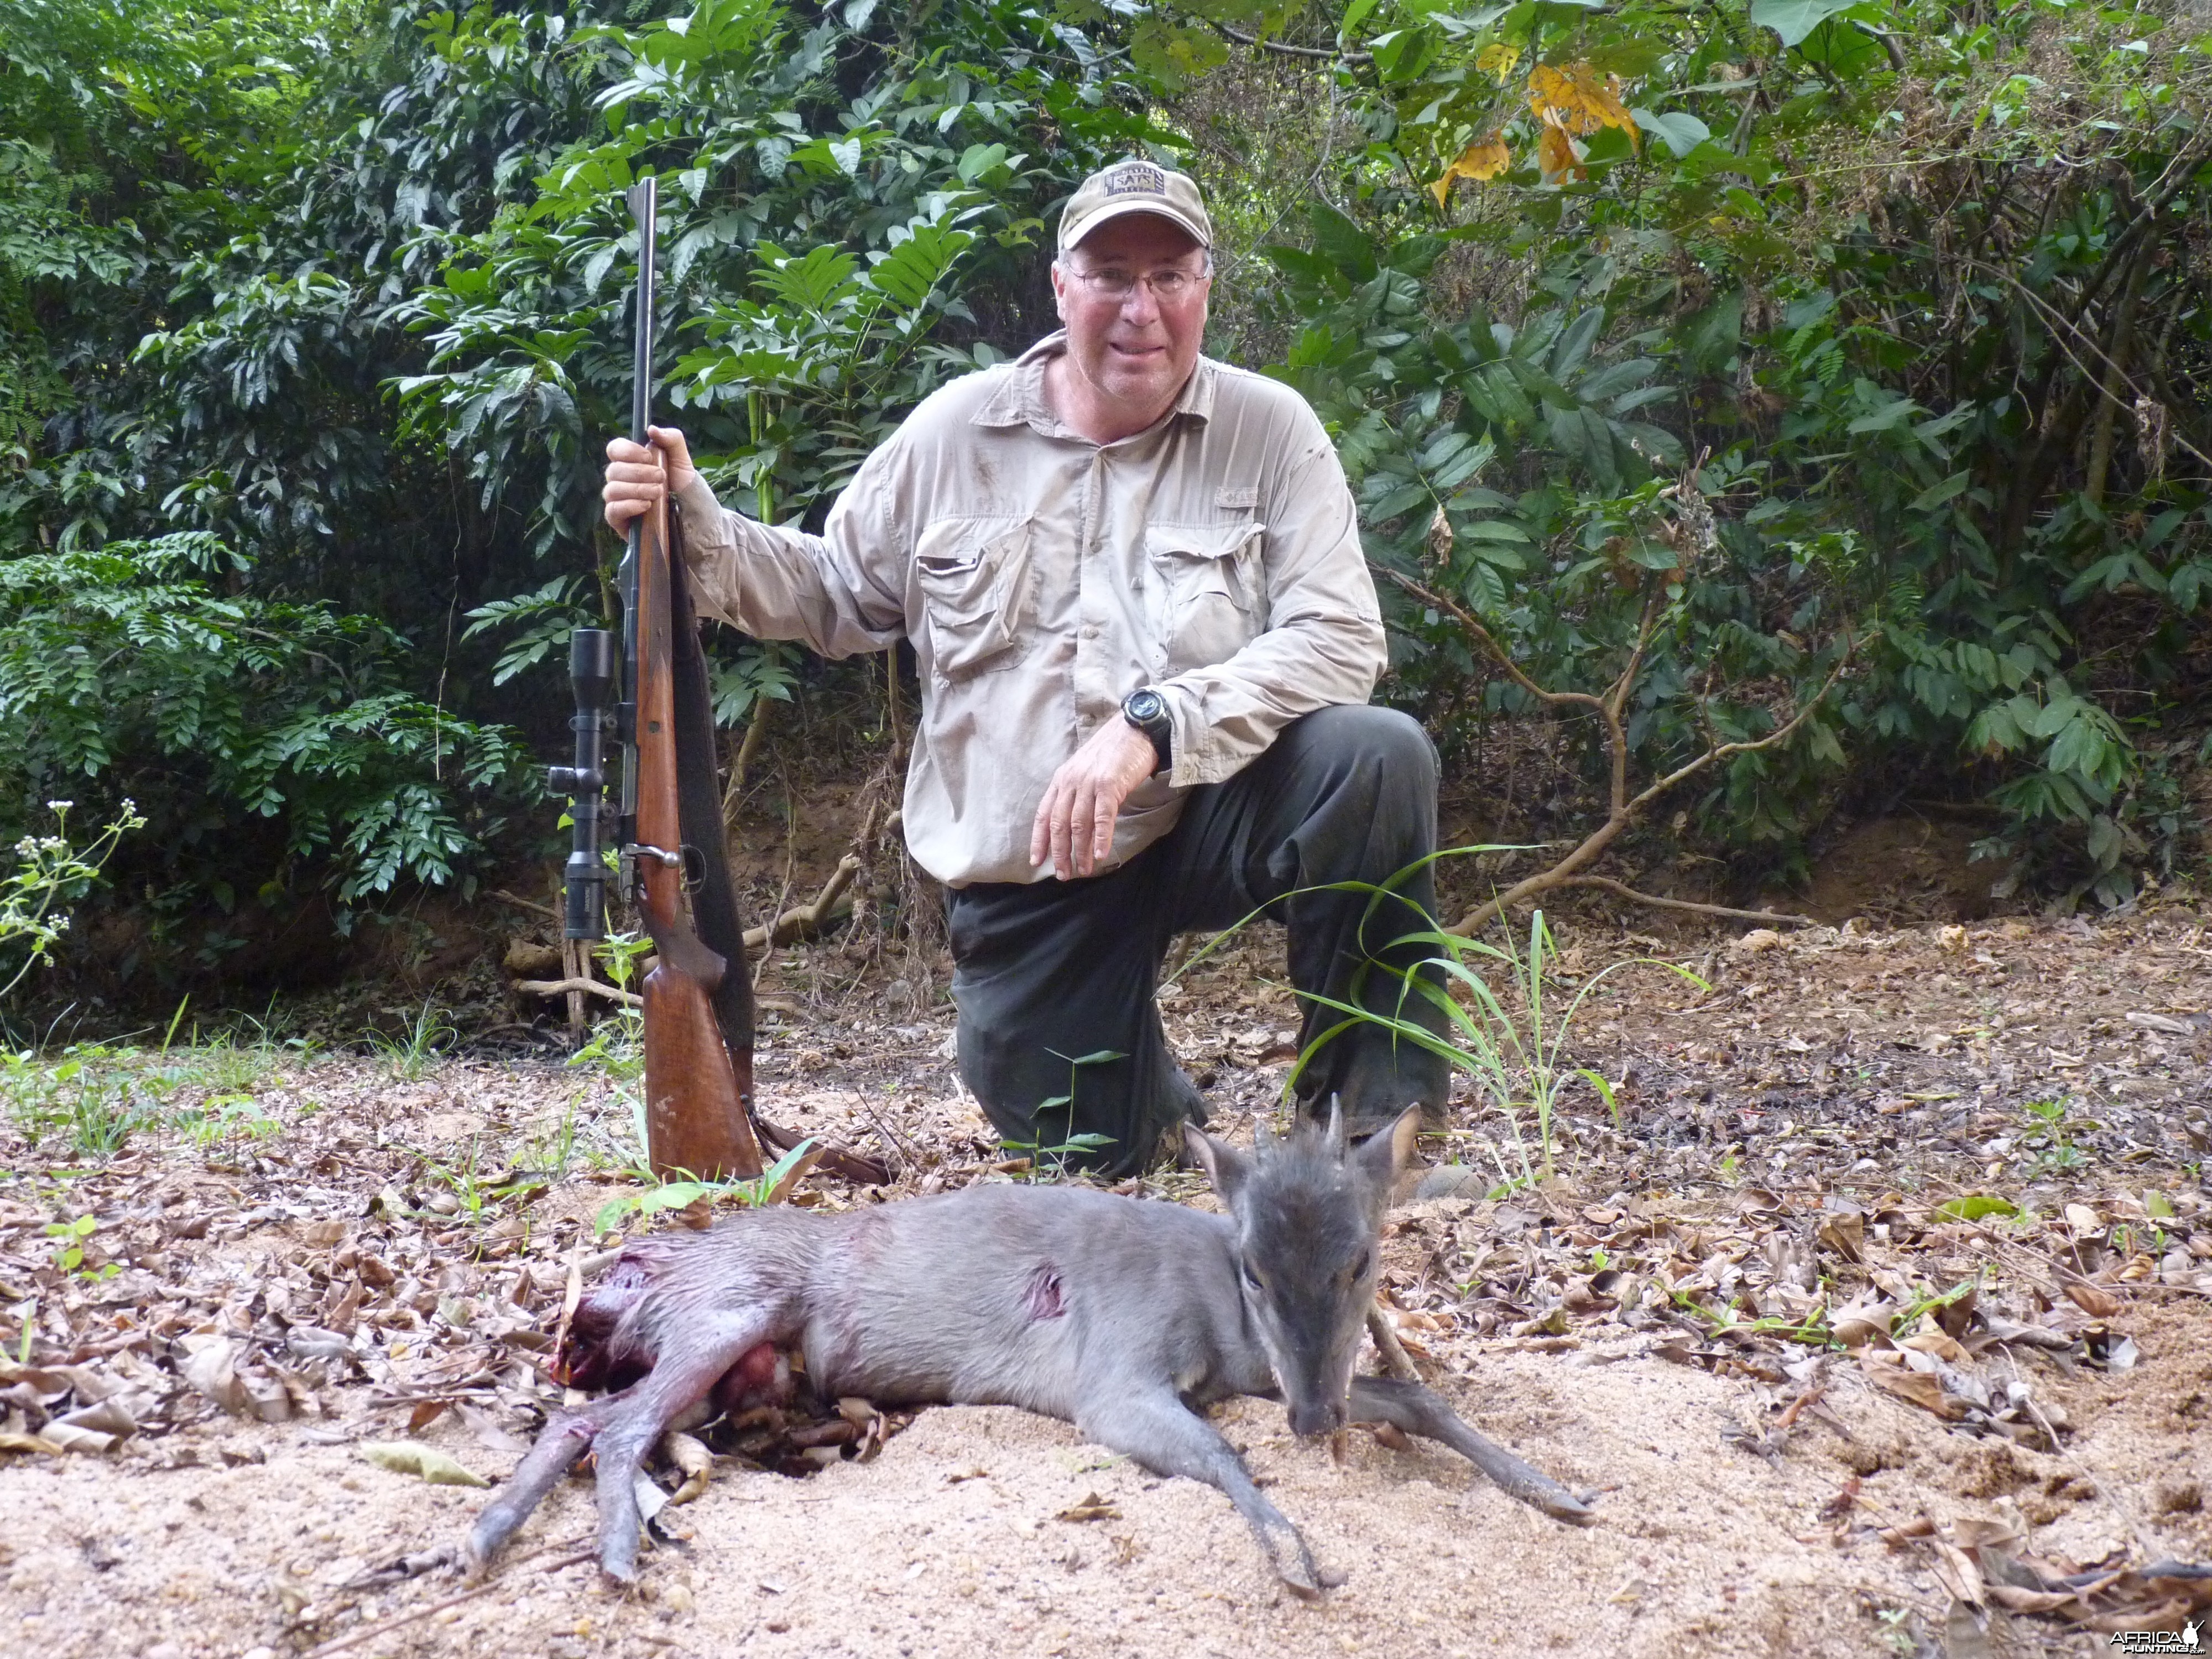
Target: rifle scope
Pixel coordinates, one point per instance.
(591, 673)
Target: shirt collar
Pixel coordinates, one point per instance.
(1019, 399)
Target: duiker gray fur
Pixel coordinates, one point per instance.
(1123, 1317)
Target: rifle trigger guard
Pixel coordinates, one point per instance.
(660, 855)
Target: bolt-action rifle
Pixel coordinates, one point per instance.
(668, 827)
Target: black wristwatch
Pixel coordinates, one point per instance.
(1148, 710)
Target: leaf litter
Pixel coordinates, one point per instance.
(1949, 1294)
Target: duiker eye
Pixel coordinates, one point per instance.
(1251, 1277)
(1366, 1261)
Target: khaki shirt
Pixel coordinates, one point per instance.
(1042, 578)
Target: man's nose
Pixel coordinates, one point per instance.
(1141, 308)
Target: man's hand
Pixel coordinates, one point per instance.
(1074, 823)
(638, 478)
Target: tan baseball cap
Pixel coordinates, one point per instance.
(1135, 185)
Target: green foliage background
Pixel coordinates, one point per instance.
(1873, 328)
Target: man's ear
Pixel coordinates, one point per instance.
(1384, 1157)
(1225, 1167)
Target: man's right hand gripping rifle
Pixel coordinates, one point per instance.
(1145, 635)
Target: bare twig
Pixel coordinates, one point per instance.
(554, 987)
(2099, 375)
(741, 767)
(576, 964)
(384, 1627)
(544, 910)
(1623, 809)
(1388, 1347)
(803, 919)
(1284, 49)
(1726, 912)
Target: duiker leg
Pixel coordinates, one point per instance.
(564, 1441)
(677, 1381)
(1161, 1433)
(1420, 1410)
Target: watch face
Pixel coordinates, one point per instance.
(1145, 706)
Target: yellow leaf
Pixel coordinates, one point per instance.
(1498, 62)
(412, 1457)
(1574, 99)
(1555, 156)
(1485, 158)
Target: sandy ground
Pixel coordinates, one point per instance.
(948, 1543)
(1812, 1066)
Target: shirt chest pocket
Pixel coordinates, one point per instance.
(973, 580)
(1207, 578)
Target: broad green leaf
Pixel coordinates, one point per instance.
(1681, 132)
(1343, 244)
(1495, 530)
(1977, 1205)
(1936, 495)
(1793, 20)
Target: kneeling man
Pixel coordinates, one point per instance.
(1145, 634)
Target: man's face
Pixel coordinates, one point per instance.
(1134, 352)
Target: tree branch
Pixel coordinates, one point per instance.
(544, 910)
(1623, 809)
(1726, 912)
(587, 986)
(803, 919)
(1284, 49)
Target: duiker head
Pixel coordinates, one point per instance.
(1309, 1215)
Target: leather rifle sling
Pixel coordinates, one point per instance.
(699, 810)
(715, 912)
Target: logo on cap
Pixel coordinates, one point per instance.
(1137, 179)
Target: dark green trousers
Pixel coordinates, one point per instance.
(1047, 972)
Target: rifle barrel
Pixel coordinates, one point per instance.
(644, 210)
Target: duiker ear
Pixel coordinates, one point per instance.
(1384, 1157)
(1225, 1167)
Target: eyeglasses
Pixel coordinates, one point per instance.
(1113, 284)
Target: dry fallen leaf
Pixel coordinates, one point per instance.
(1920, 1388)
(2096, 1302)
(1943, 1345)
(1844, 1232)
(411, 1457)
(213, 1372)
(1958, 1574)
(1092, 1508)
(693, 1460)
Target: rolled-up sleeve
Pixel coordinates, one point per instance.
(841, 592)
(1323, 642)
